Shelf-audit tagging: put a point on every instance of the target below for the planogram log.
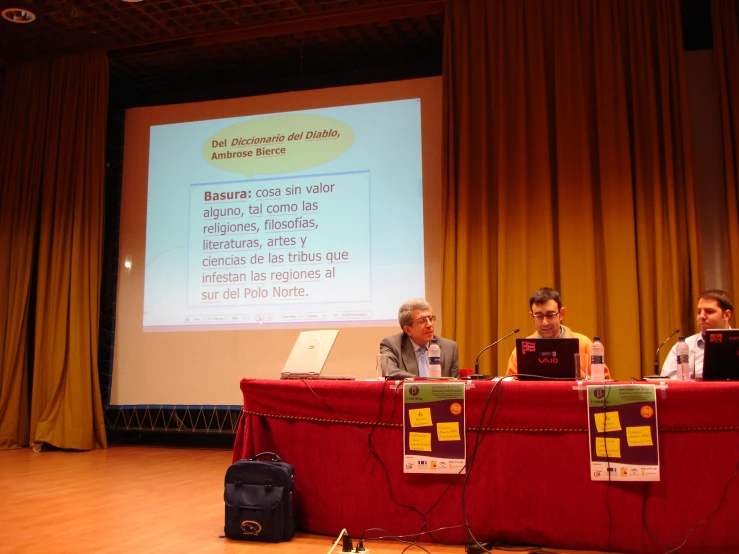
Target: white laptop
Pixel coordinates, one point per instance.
(309, 354)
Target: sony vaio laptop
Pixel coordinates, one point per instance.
(721, 357)
(309, 354)
(543, 359)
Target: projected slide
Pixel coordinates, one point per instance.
(300, 217)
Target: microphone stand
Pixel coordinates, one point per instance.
(476, 374)
(656, 356)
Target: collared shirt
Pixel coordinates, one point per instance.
(416, 350)
(696, 347)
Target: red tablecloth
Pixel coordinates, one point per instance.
(530, 482)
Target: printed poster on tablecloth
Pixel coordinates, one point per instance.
(622, 432)
(433, 427)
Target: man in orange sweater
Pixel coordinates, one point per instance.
(548, 313)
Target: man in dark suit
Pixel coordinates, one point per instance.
(417, 321)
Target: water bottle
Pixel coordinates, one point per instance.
(434, 356)
(683, 360)
(597, 361)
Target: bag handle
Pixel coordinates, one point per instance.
(275, 457)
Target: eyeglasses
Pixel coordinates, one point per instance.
(551, 316)
(425, 319)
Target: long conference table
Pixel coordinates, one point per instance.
(530, 482)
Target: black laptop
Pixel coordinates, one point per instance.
(544, 359)
(721, 358)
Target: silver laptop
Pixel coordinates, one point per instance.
(309, 354)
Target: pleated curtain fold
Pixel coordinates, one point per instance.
(568, 163)
(52, 173)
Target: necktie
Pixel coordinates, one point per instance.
(423, 363)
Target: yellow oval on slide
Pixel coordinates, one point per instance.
(278, 144)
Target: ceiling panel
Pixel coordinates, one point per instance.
(155, 46)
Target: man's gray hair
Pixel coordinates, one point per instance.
(405, 313)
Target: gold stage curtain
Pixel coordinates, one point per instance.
(568, 163)
(725, 15)
(52, 166)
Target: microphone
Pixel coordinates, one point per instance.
(656, 356)
(476, 374)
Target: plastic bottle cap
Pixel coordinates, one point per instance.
(596, 338)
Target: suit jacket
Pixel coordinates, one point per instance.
(403, 361)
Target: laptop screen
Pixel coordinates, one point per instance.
(310, 351)
(542, 359)
(309, 354)
(721, 358)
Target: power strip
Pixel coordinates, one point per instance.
(347, 542)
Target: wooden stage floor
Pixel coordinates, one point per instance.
(137, 499)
